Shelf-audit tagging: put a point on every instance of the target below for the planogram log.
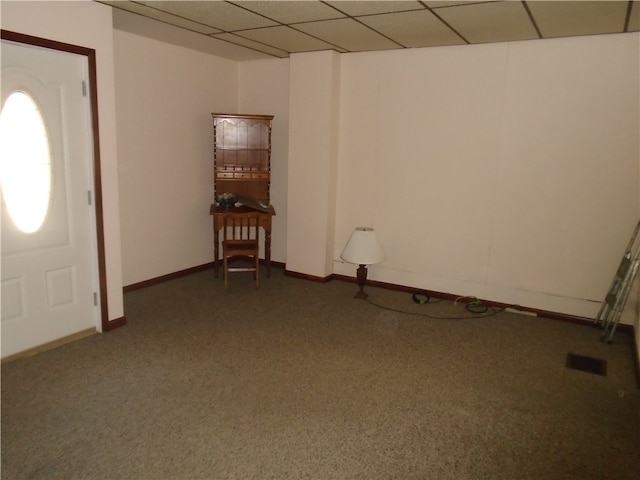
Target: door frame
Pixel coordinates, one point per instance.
(97, 178)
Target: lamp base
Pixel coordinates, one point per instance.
(361, 294)
(361, 275)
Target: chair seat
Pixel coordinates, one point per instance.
(241, 245)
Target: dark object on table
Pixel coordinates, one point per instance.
(227, 199)
(261, 205)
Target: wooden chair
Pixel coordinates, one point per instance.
(240, 238)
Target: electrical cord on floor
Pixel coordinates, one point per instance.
(475, 306)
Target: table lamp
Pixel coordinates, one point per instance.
(362, 249)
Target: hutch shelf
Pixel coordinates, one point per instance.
(242, 155)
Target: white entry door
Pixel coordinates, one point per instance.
(49, 259)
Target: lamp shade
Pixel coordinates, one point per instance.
(363, 247)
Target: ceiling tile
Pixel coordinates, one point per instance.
(126, 21)
(292, 11)
(238, 40)
(286, 38)
(490, 21)
(276, 26)
(348, 34)
(221, 15)
(566, 18)
(438, 3)
(162, 16)
(355, 8)
(413, 29)
(634, 21)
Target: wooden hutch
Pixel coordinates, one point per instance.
(242, 166)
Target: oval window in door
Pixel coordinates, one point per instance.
(25, 162)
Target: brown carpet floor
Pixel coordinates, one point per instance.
(298, 380)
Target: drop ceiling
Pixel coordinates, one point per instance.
(244, 30)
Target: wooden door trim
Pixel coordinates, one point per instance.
(90, 53)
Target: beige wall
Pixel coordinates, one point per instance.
(313, 157)
(165, 96)
(505, 171)
(567, 175)
(264, 89)
(86, 24)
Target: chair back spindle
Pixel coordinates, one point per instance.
(241, 235)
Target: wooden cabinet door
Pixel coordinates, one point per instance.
(242, 154)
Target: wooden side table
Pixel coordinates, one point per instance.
(216, 211)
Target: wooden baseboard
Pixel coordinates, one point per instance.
(181, 273)
(167, 277)
(113, 324)
(447, 296)
(304, 276)
(51, 345)
(389, 286)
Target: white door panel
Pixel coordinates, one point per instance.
(49, 277)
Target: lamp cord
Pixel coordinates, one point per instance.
(475, 306)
